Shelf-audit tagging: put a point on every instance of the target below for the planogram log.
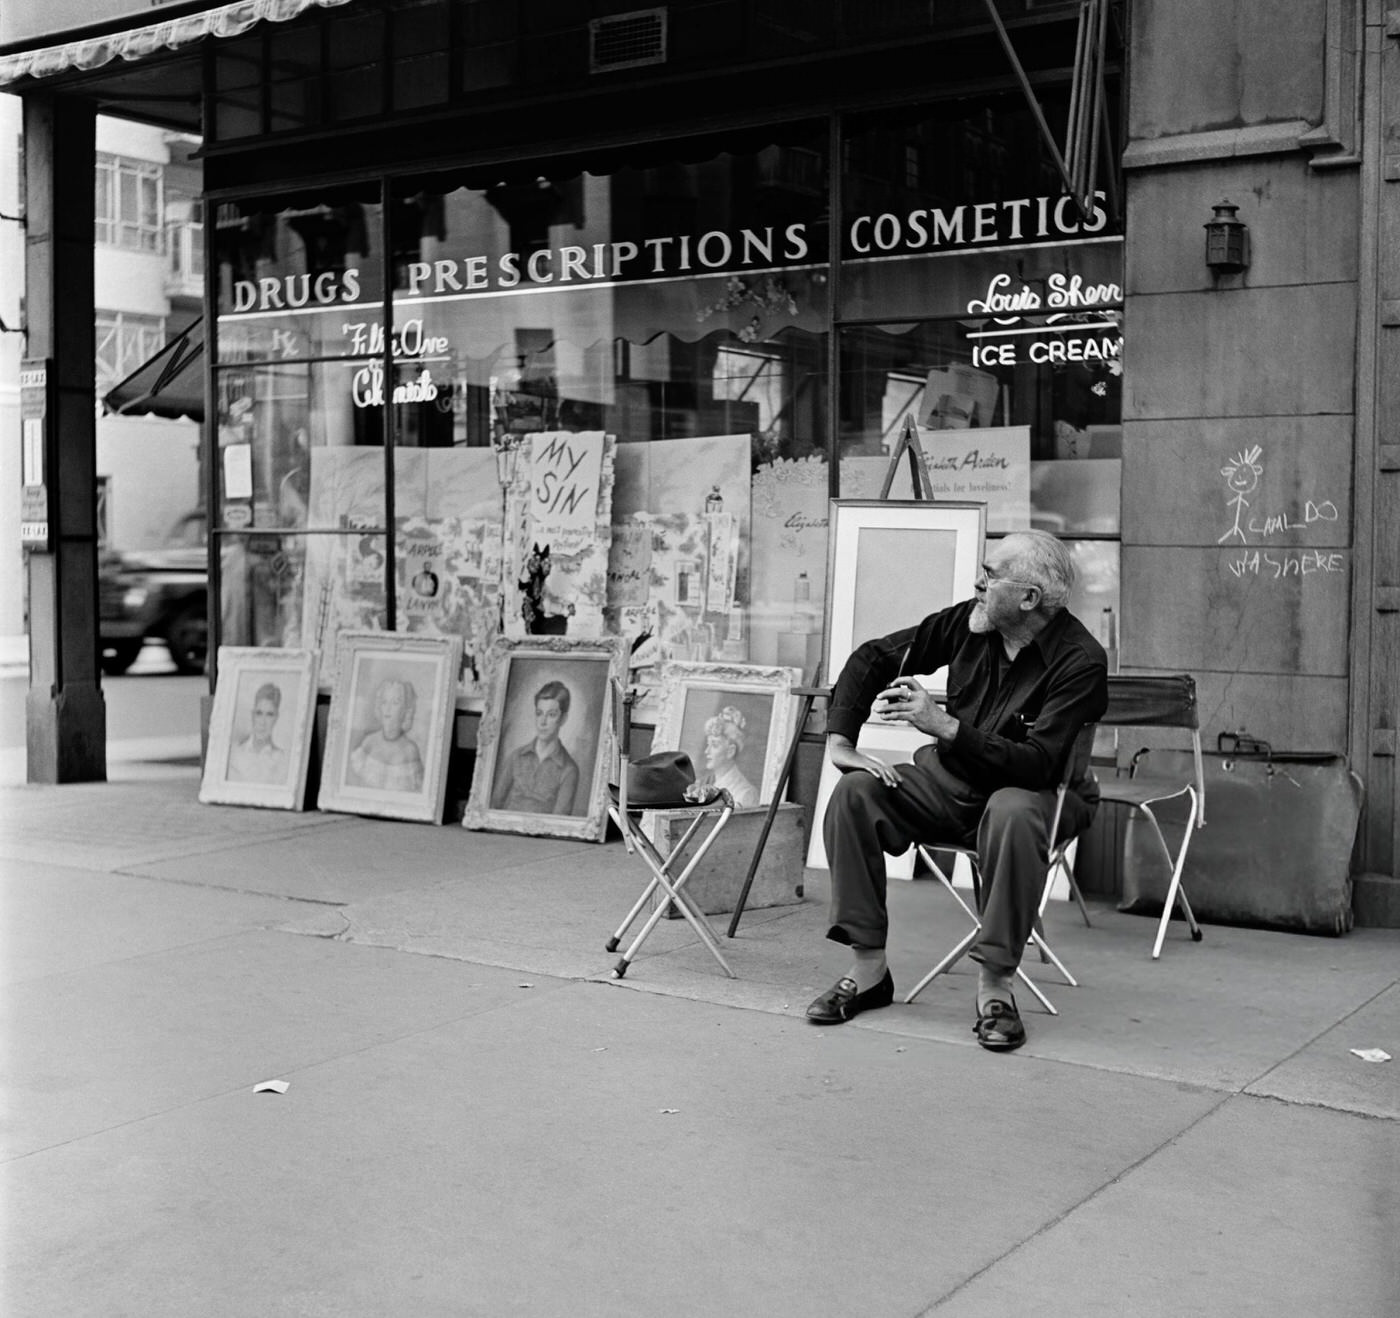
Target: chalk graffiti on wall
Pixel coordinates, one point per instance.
(1252, 521)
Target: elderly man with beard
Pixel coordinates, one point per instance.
(1024, 677)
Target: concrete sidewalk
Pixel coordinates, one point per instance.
(480, 1121)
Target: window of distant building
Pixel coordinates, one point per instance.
(130, 213)
(125, 339)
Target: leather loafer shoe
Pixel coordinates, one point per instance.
(999, 1026)
(844, 1001)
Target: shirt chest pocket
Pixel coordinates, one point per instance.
(1017, 726)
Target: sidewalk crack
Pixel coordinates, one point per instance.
(1248, 1087)
(1076, 1206)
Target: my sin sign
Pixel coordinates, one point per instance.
(564, 473)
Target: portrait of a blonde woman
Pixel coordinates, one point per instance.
(725, 737)
(387, 757)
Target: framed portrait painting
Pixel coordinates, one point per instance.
(544, 746)
(734, 721)
(389, 733)
(260, 728)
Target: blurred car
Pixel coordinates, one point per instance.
(160, 595)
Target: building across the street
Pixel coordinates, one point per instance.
(572, 319)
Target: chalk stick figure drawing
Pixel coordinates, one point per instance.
(1241, 474)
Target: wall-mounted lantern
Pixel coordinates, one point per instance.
(1227, 241)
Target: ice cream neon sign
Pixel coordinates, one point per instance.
(1061, 337)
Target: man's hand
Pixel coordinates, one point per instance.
(905, 701)
(846, 758)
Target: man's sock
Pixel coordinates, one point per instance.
(993, 984)
(869, 968)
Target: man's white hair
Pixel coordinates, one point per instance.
(1043, 561)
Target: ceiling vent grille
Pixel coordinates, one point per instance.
(626, 41)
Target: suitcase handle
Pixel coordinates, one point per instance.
(1237, 743)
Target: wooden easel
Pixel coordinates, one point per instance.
(918, 465)
(908, 443)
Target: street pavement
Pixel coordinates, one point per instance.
(479, 1120)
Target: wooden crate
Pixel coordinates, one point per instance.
(716, 884)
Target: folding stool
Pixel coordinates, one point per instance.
(1057, 861)
(665, 885)
(1167, 701)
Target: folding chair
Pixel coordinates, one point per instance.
(1058, 862)
(1160, 702)
(665, 885)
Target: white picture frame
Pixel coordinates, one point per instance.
(885, 741)
(873, 589)
(735, 721)
(891, 563)
(564, 678)
(389, 732)
(260, 728)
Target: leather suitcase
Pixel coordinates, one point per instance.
(1275, 852)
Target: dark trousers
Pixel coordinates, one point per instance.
(1010, 828)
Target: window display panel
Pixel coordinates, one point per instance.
(634, 349)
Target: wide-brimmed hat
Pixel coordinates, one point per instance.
(659, 779)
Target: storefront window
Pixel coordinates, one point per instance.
(599, 400)
(300, 425)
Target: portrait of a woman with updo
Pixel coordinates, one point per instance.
(725, 736)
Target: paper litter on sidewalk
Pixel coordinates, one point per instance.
(1372, 1054)
(271, 1087)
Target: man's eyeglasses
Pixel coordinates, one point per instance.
(990, 578)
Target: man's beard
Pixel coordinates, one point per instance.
(978, 623)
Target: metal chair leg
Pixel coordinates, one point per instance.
(1030, 984)
(693, 917)
(948, 961)
(1174, 889)
(1078, 896)
(1195, 928)
(965, 945)
(961, 951)
(1047, 954)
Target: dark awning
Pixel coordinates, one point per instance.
(170, 384)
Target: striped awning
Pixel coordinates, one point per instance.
(229, 20)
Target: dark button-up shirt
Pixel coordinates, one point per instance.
(1017, 720)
